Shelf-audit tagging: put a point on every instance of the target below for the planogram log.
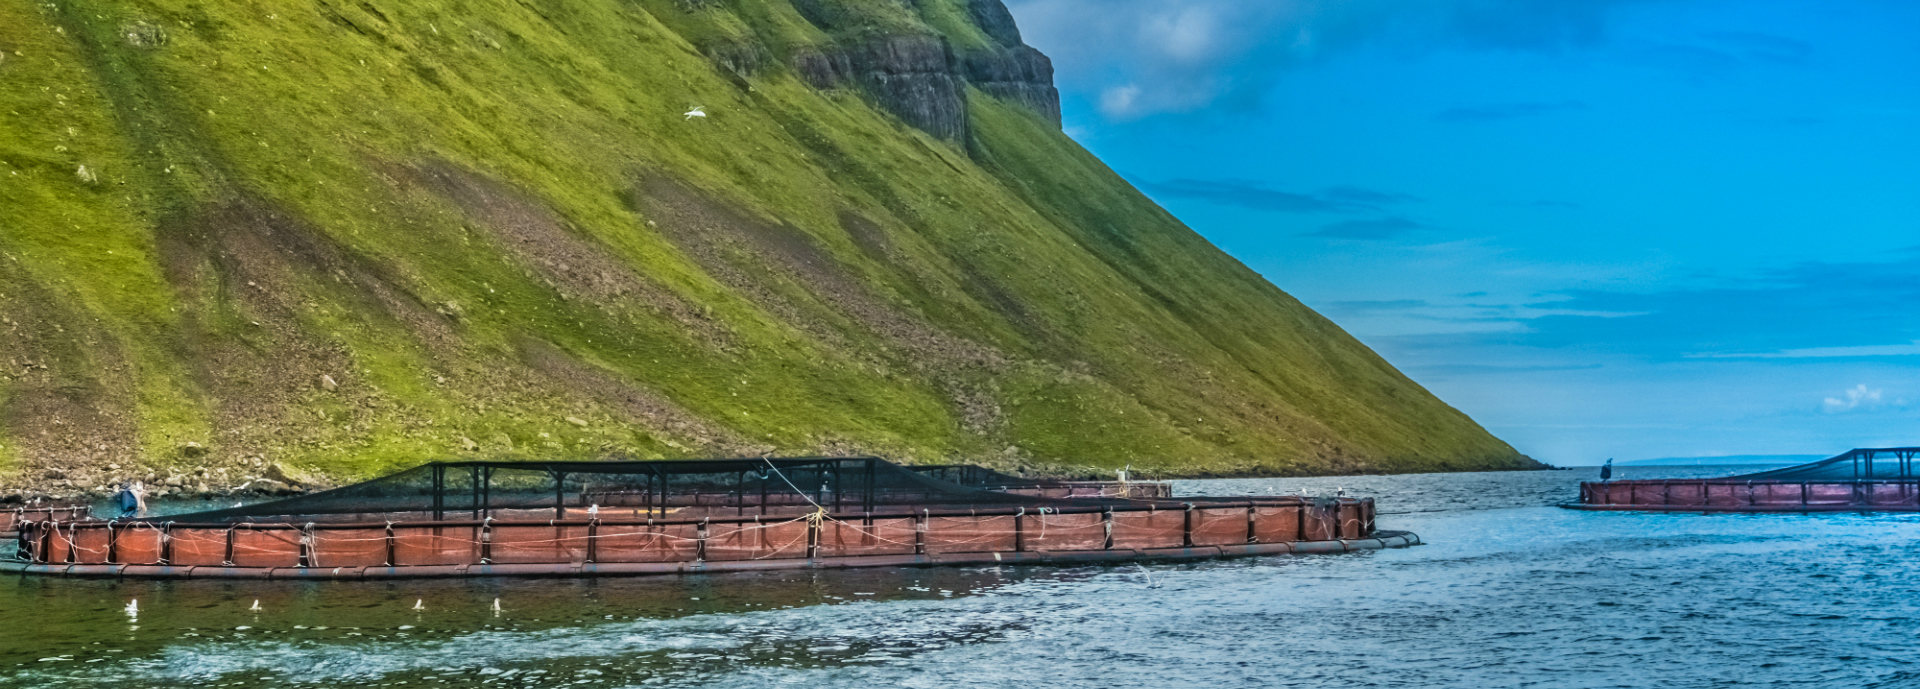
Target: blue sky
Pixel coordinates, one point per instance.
(1603, 228)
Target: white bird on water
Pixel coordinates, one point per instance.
(496, 607)
(133, 608)
(420, 604)
(697, 111)
(1149, 574)
(256, 605)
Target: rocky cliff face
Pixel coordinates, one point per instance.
(922, 80)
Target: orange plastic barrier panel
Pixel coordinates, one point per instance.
(658, 543)
(350, 547)
(1350, 516)
(539, 544)
(1893, 494)
(1066, 532)
(882, 537)
(199, 547)
(266, 548)
(436, 545)
(90, 545)
(1319, 523)
(1152, 529)
(971, 534)
(1830, 494)
(59, 544)
(136, 544)
(1276, 524)
(1224, 526)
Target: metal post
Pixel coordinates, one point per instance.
(813, 537)
(867, 500)
(1250, 510)
(593, 538)
(1186, 528)
(166, 543)
(1019, 528)
(392, 547)
(439, 491)
(559, 495)
(1106, 519)
(920, 532)
(473, 479)
(229, 560)
(113, 542)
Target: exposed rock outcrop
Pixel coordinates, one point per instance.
(1020, 74)
(914, 77)
(919, 78)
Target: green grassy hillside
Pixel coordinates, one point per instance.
(349, 235)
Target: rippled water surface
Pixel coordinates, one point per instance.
(1510, 592)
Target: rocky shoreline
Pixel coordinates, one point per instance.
(248, 476)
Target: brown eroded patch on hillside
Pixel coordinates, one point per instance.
(573, 265)
(64, 398)
(250, 276)
(645, 408)
(751, 254)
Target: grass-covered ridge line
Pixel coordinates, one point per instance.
(349, 236)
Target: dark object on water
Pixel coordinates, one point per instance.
(453, 519)
(1606, 470)
(1861, 480)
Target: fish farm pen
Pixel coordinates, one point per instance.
(499, 518)
(1860, 480)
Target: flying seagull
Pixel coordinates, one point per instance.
(697, 111)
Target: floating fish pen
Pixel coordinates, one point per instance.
(1861, 480)
(462, 519)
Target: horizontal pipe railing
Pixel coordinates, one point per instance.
(56, 542)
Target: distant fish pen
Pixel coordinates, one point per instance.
(1864, 479)
(486, 518)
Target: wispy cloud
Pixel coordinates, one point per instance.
(1378, 229)
(1806, 311)
(1339, 199)
(1362, 306)
(1820, 352)
(1857, 398)
(1762, 47)
(1509, 111)
(1145, 57)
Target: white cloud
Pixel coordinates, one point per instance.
(1821, 352)
(1118, 102)
(1187, 34)
(1856, 398)
(1186, 55)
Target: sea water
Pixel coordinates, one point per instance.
(1510, 591)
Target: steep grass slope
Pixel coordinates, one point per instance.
(348, 235)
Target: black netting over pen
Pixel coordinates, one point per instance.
(1864, 464)
(972, 475)
(612, 489)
